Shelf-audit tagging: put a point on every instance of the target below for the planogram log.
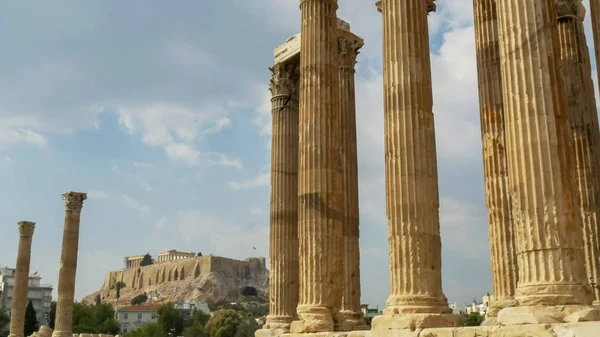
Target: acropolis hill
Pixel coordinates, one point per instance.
(176, 276)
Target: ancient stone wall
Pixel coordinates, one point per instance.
(178, 270)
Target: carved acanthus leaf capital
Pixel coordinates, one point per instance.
(378, 4)
(285, 79)
(348, 51)
(570, 9)
(74, 200)
(431, 6)
(26, 228)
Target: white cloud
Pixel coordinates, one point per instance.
(143, 165)
(255, 211)
(97, 194)
(8, 159)
(116, 169)
(224, 160)
(134, 204)
(262, 179)
(146, 186)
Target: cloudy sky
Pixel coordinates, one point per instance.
(161, 113)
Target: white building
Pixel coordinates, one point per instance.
(39, 294)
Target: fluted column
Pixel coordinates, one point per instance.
(349, 46)
(595, 15)
(412, 198)
(68, 264)
(320, 170)
(501, 230)
(21, 286)
(283, 286)
(540, 157)
(576, 72)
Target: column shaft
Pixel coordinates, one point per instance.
(411, 166)
(284, 196)
(21, 285)
(68, 264)
(576, 73)
(501, 231)
(351, 311)
(540, 157)
(595, 14)
(320, 170)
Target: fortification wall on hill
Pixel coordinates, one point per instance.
(141, 277)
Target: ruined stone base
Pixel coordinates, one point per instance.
(582, 329)
(414, 321)
(548, 315)
(275, 332)
(490, 321)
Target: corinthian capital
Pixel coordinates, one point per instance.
(285, 78)
(74, 200)
(570, 9)
(431, 6)
(378, 4)
(348, 50)
(26, 228)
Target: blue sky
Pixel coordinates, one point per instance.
(161, 113)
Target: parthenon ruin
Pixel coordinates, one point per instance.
(541, 149)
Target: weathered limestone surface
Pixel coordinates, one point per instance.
(595, 15)
(584, 329)
(320, 209)
(68, 264)
(502, 244)
(21, 286)
(45, 331)
(576, 72)
(349, 46)
(284, 280)
(412, 199)
(540, 159)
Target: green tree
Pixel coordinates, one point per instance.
(148, 330)
(147, 260)
(111, 327)
(95, 319)
(473, 319)
(246, 328)
(52, 315)
(119, 285)
(223, 323)
(170, 319)
(4, 320)
(31, 322)
(195, 324)
(139, 299)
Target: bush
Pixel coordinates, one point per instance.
(139, 299)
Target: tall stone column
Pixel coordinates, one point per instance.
(320, 205)
(412, 198)
(595, 14)
(576, 72)
(21, 286)
(552, 276)
(68, 265)
(501, 230)
(283, 250)
(349, 46)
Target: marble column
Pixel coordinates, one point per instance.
(320, 205)
(68, 264)
(539, 148)
(576, 73)
(21, 285)
(283, 250)
(500, 223)
(412, 197)
(595, 15)
(349, 46)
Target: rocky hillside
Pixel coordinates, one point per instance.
(215, 286)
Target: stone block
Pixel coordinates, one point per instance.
(438, 332)
(414, 321)
(586, 329)
(270, 332)
(532, 330)
(548, 314)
